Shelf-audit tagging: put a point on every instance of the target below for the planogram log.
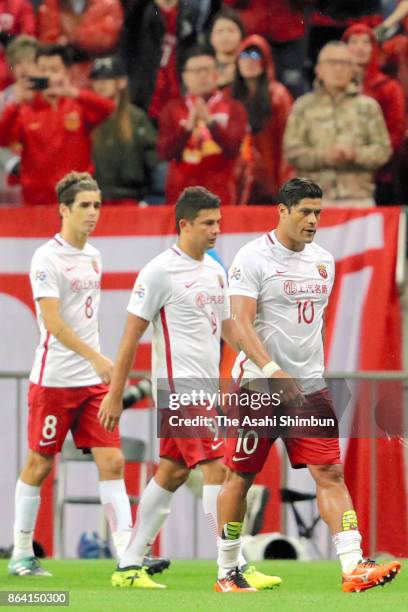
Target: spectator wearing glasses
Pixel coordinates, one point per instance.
(335, 135)
(268, 104)
(227, 32)
(282, 23)
(123, 146)
(201, 133)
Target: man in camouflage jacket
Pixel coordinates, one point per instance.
(335, 135)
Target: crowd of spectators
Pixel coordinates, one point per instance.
(152, 96)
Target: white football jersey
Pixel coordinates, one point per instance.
(292, 289)
(186, 300)
(59, 270)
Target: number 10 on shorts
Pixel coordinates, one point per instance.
(247, 441)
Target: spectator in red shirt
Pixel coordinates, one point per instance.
(268, 105)
(201, 133)
(90, 28)
(226, 34)
(389, 95)
(52, 127)
(283, 25)
(16, 17)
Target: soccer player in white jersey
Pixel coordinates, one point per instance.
(183, 293)
(279, 287)
(69, 377)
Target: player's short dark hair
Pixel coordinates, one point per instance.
(54, 49)
(192, 200)
(197, 51)
(72, 184)
(296, 189)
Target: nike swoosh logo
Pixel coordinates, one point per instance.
(188, 285)
(42, 443)
(70, 268)
(279, 272)
(239, 458)
(215, 446)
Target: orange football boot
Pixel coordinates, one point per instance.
(234, 582)
(369, 574)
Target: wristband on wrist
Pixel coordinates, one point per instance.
(270, 368)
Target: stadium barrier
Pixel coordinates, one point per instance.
(384, 530)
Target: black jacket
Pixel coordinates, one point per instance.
(141, 41)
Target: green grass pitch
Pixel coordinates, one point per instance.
(306, 586)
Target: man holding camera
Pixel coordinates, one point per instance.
(50, 123)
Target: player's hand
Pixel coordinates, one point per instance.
(340, 154)
(190, 123)
(202, 110)
(109, 411)
(290, 391)
(383, 32)
(103, 366)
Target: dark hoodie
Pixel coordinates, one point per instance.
(264, 166)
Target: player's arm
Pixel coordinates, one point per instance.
(112, 404)
(244, 314)
(323, 329)
(229, 334)
(59, 328)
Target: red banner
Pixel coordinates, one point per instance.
(363, 318)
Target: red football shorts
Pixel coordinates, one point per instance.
(195, 444)
(249, 455)
(53, 411)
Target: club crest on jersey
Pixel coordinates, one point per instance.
(321, 268)
(221, 281)
(72, 121)
(95, 266)
(40, 275)
(140, 291)
(235, 273)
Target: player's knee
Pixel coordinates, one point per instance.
(111, 465)
(329, 474)
(238, 482)
(214, 472)
(37, 468)
(178, 477)
(171, 475)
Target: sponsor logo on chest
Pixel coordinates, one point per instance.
(84, 284)
(291, 287)
(203, 299)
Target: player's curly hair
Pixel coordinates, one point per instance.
(296, 189)
(73, 183)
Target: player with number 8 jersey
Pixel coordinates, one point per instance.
(60, 270)
(69, 377)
